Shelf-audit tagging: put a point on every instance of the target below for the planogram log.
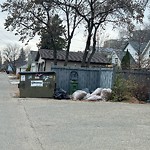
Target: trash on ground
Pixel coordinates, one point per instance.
(60, 94)
(99, 94)
(97, 91)
(106, 93)
(94, 98)
(78, 95)
(86, 90)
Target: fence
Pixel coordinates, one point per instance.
(86, 77)
(140, 77)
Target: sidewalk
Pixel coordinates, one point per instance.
(14, 85)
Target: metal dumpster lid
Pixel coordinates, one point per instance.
(41, 72)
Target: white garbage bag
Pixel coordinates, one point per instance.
(87, 96)
(94, 98)
(105, 94)
(78, 95)
(97, 91)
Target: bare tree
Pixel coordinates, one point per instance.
(29, 18)
(11, 53)
(97, 14)
(32, 17)
(71, 19)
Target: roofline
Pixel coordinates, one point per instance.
(126, 45)
(80, 61)
(146, 47)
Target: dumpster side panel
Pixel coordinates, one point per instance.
(37, 85)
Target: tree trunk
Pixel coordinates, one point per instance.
(86, 51)
(94, 48)
(67, 52)
(54, 50)
(55, 56)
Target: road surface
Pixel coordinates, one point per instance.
(44, 124)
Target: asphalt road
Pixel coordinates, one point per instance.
(44, 124)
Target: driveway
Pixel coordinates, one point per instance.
(46, 124)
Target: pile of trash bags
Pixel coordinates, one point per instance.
(99, 94)
(60, 94)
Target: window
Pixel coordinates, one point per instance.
(116, 60)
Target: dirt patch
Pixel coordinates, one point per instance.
(134, 101)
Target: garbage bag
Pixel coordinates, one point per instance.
(60, 94)
(86, 90)
(78, 95)
(106, 93)
(97, 91)
(94, 98)
(87, 96)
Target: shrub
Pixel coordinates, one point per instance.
(141, 92)
(122, 89)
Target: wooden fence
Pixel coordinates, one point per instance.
(139, 76)
(85, 77)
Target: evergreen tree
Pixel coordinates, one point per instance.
(53, 40)
(22, 56)
(125, 63)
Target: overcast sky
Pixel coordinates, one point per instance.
(7, 37)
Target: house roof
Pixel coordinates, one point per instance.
(146, 48)
(119, 53)
(137, 46)
(33, 54)
(73, 56)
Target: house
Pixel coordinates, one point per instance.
(135, 49)
(138, 51)
(117, 56)
(21, 66)
(45, 59)
(10, 68)
(31, 60)
(146, 55)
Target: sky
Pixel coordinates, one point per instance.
(7, 37)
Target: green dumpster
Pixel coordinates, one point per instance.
(37, 84)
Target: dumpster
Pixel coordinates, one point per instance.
(37, 84)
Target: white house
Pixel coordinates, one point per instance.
(21, 68)
(135, 49)
(44, 59)
(31, 60)
(139, 51)
(117, 56)
(146, 55)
